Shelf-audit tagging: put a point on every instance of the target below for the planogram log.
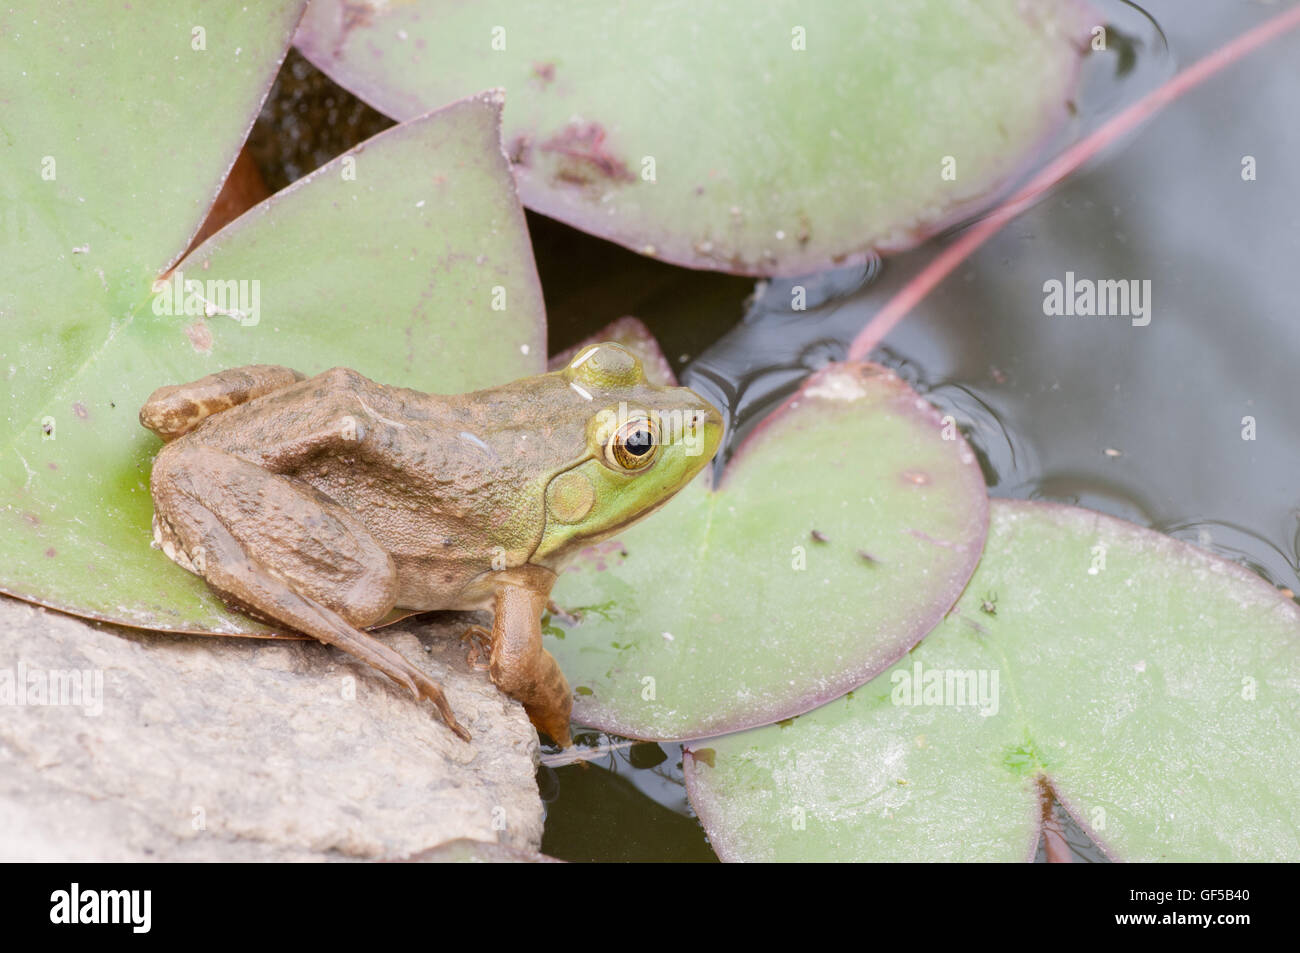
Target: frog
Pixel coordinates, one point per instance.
(322, 504)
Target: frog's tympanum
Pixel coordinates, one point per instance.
(321, 504)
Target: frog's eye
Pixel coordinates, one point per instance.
(633, 446)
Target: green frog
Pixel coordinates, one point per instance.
(323, 503)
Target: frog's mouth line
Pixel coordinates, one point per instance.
(615, 530)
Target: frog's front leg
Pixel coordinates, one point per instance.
(287, 553)
(176, 409)
(522, 668)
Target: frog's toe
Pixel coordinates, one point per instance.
(457, 728)
(480, 647)
(449, 717)
(559, 732)
(403, 679)
(431, 690)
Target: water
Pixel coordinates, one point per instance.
(628, 805)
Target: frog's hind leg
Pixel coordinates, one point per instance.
(280, 548)
(177, 409)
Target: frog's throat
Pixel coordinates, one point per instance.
(559, 556)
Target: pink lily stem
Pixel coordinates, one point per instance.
(897, 307)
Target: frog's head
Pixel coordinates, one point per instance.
(643, 443)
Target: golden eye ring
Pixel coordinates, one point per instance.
(634, 445)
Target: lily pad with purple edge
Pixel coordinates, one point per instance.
(840, 533)
(395, 259)
(768, 139)
(1154, 688)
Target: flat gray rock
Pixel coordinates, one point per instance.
(195, 748)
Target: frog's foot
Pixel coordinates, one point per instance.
(555, 609)
(293, 556)
(523, 669)
(176, 409)
(480, 646)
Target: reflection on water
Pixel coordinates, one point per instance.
(1057, 820)
(628, 804)
(1278, 565)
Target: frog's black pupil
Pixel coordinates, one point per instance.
(638, 443)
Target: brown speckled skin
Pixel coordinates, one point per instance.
(326, 502)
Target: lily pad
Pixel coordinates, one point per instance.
(120, 126)
(778, 140)
(841, 532)
(407, 259)
(1154, 687)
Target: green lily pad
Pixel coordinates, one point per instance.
(392, 259)
(1153, 686)
(779, 140)
(841, 532)
(120, 125)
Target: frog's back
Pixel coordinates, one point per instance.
(440, 481)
